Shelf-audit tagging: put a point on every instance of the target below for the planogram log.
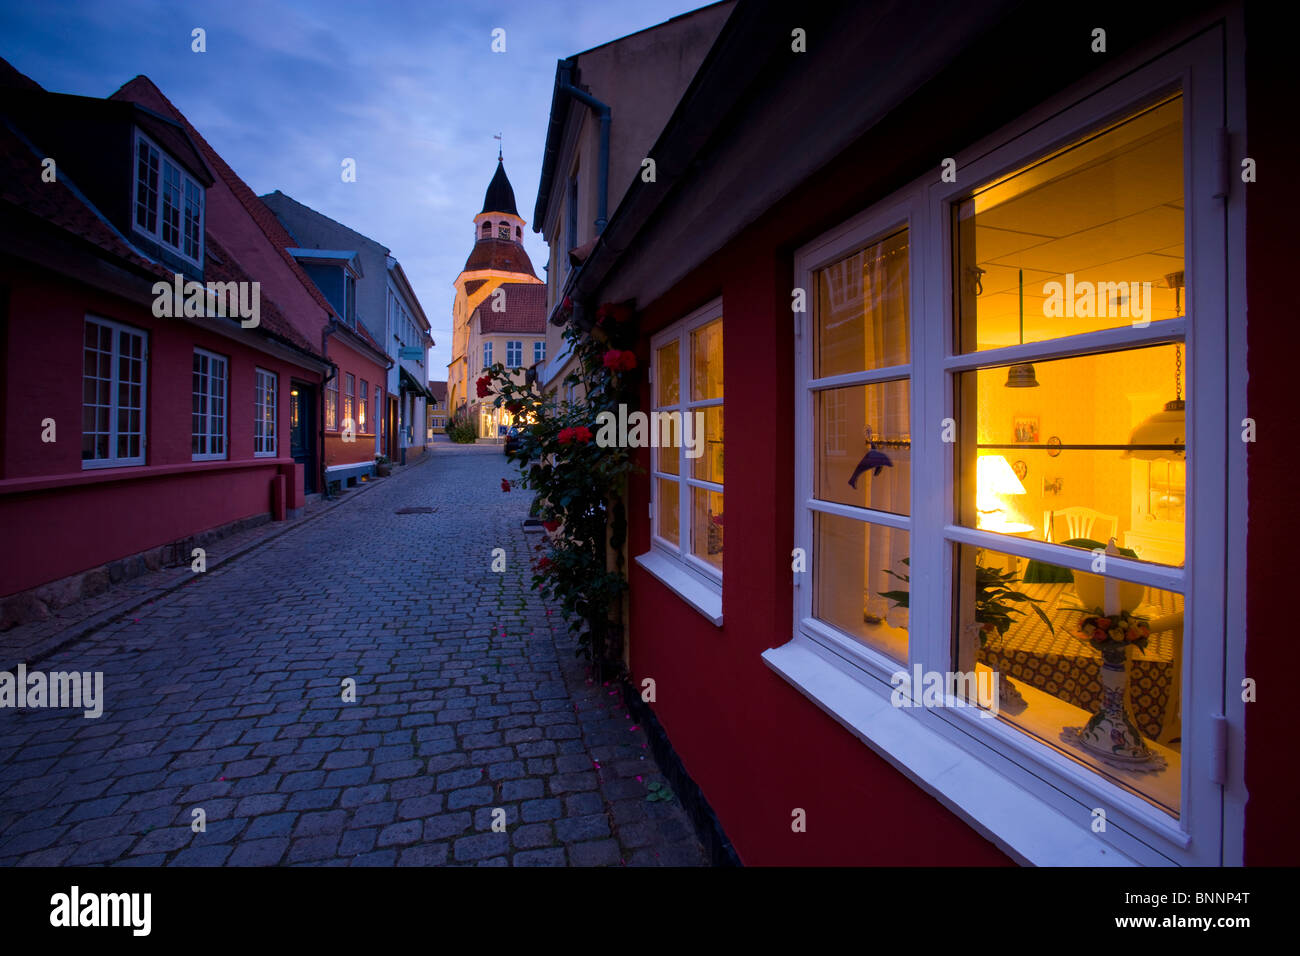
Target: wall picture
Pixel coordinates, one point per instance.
(1025, 428)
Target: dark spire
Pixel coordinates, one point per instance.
(500, 196)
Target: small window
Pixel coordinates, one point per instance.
(332, 404)
(208, 407)
(571, 216)
(113, 390)
(487, 354)
(514, 354)
(361, 408)
(349, 397)
(264, 410)
(486, 231)
(539, 351)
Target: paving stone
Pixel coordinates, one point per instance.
(598, 853)
(551, 857)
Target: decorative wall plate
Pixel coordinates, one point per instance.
(1021, 469)
(1053, 446)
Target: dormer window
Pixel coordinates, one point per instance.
(168, 202)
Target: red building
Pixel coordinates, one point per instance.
(857, 248)
(131, 427)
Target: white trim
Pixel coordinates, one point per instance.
(208, 434)
(259, 405)
(156, 234)
(668, 570)
(992, 758)
(118, 330)
(693, 572)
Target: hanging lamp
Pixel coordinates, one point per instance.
(1022, 375)
(1168, 427)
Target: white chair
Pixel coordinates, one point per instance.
(1079, 523)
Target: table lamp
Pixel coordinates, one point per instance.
(993, 479)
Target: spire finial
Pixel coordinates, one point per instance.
(500, 145)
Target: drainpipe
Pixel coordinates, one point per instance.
(603, 114)
(334, 371)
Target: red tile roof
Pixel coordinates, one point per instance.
(525, 310)
(473, 285)
(221, 266)
(499, 255)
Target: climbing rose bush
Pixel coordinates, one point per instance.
(579, 487)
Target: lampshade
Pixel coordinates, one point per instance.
(1168, 427)
(1021, 376)
(993, 477)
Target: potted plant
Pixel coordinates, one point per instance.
(995, 601)
(383, 467)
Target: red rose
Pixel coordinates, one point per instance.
(550, 525)
(565, 436)
(505, 485)
(543, 564)
(582, 434)
(612, 358)
(482, 385)
(627, 361)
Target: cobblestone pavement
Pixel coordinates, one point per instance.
(226, 696)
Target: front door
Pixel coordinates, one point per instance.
(302, 441)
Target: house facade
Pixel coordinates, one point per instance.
(364, 277)
(159, 417)
(973, 329)
(608, 105)
(436, 410)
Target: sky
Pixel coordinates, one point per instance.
(288, 89)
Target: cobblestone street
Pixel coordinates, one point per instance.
(226, 696)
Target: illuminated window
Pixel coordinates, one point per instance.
(364, 404)
(349, 402)
(264, 406)
(332, 404)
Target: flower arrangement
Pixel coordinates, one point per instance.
(1113, 634)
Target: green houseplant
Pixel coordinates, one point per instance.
(996, 603)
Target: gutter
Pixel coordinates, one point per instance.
(564, 87)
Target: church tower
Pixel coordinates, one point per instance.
(496, 259)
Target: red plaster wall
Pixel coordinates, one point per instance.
(57, 518)
(349, 360)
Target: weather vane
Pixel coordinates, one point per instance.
(501, 143)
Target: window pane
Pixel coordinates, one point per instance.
(1052, 682)
(1089, 235)
(847, 422)
(1128, 481)
(667, 373)
(707, 467)
(850, 562)
(706, 361)
(666, 460)
(706, 526)
(667, 510)
(862, 310)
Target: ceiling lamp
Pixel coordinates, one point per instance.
(1022, 375)
(1168, 427)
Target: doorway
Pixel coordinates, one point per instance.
(302, 443)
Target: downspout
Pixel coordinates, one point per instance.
(334, 371)
(603, 114)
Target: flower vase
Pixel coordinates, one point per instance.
(1112, 733)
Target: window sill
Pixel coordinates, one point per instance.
(705, 599)
(1013, 818)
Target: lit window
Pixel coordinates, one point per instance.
(361, 408)
(332, 404)
(168, 201)
(514, 354)
(686, 485)
(208, 407)
(264, 411)
(349, 397)
(113, 390)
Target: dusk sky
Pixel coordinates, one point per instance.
(287, 89)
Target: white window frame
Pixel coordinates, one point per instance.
(487, 355)
(539, 351)
(209, 433)
(697, 582)
(187, 183)
(119, 330)
(514, 353)
(266, 382)
(1034, 802)
(349, 402)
